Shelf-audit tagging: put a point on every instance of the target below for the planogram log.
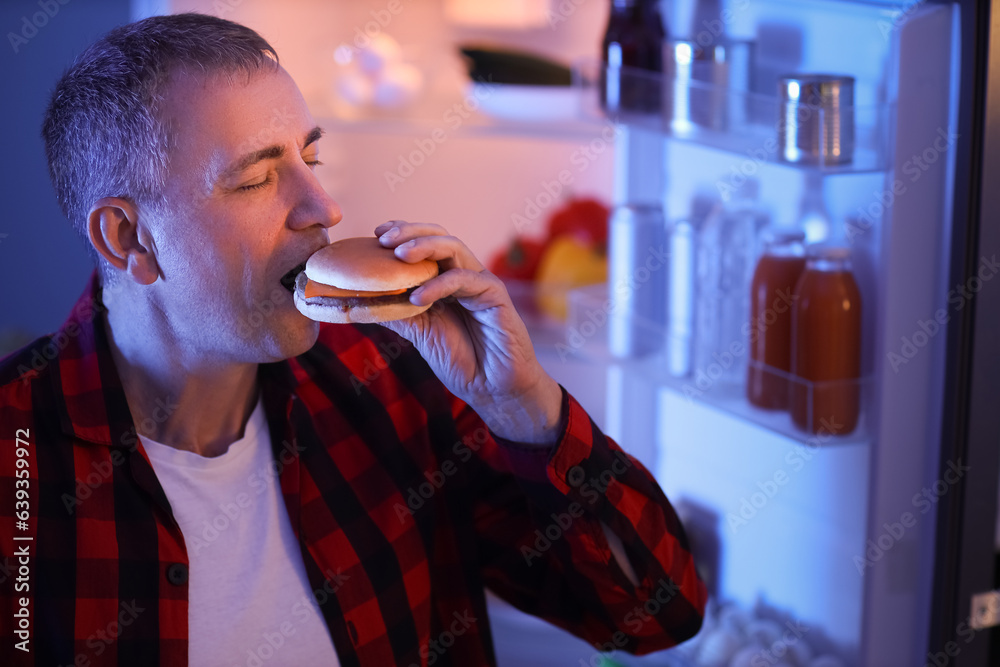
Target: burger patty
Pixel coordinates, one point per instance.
(347, 302)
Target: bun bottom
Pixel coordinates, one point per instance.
(358, 314)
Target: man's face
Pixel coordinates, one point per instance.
(243, 208)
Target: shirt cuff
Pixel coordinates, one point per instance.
(529, 460)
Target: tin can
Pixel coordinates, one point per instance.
(681, 296)
(637, 274)
(816, 124)
(708, 83)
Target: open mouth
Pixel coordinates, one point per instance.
(288, 280)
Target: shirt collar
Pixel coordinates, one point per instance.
(91, 400)
(92, 405)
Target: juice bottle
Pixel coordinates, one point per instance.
(826, 344)
(771, 297)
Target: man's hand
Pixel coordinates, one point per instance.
(473, 339)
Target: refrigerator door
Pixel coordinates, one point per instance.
(906, 483)
(968, 540)
(833, 536)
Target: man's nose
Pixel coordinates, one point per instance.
(314, 206)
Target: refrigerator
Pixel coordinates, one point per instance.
(876, 547)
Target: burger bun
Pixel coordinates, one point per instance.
(362, 265)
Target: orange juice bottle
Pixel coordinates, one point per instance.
(826, 344)
(771, 297)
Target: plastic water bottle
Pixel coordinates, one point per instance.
(726, 257)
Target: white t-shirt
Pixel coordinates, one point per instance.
(250, 602)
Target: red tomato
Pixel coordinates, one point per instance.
(584, 219)
(519, 261)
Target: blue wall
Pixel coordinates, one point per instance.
(43, 264)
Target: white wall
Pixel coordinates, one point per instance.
(472, 183)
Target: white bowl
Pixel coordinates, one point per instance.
(512, 102)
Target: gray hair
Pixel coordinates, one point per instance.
(102, 132)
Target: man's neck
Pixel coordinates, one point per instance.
(178, 398)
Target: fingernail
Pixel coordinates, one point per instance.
(390, 235)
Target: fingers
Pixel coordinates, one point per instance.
(475, 290)
(413, 242)
(448, 251)
(406, 231)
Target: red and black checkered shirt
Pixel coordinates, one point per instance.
(404, 504)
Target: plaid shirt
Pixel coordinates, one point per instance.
(405, 506)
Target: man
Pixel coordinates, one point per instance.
(198, 474)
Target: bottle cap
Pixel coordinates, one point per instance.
(828, 251)
(782, 235)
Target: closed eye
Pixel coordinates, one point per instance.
(258, 186)
(270, 178)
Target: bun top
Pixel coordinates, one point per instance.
(363, 264)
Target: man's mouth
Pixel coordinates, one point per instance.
(288, 280)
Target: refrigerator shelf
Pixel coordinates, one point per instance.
(732, 120)
(478, 125)
(825, 410)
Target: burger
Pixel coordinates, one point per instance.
(359, 280)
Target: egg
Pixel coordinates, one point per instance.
(355, 88)
(801, 653)
(763, 631)
(379, 54)
(745, 656)
(797, 651)
(711, 618)
(734, 617)
(397, 85)
(718, 648)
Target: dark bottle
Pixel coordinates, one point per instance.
(633, 42)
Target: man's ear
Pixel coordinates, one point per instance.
(114, 229)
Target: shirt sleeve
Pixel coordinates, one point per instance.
(538, 514)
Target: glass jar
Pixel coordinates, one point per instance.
(772, 293)
(826, 344)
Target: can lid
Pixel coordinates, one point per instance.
(817, 89)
